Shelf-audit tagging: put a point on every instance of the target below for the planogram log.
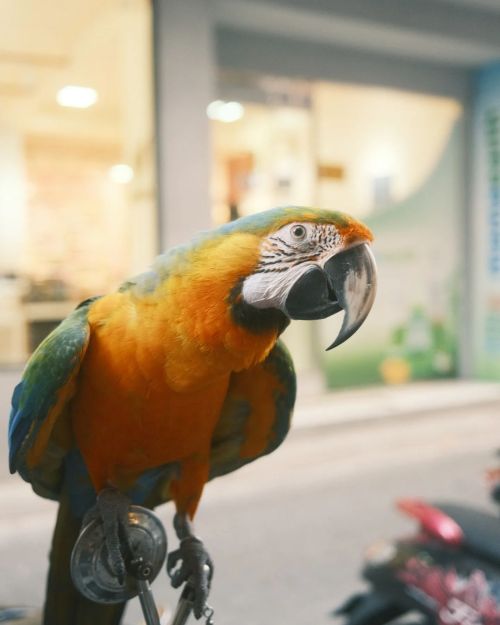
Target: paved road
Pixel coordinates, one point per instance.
(287, 533)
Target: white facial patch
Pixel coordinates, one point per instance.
(270, 290)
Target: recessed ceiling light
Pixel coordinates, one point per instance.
(121, 173)
(225, 111)
(77, 97)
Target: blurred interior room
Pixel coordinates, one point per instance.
(286, 104)
(77, 205)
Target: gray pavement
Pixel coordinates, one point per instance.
(287, 533)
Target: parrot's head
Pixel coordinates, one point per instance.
(310, 264)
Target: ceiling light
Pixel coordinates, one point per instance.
(77, 97)
(382, 160)
(225, 111)
(121, 173)
(213, 108)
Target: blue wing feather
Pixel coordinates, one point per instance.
(18, 427)
(50, 368)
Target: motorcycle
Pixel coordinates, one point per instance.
(446, 573)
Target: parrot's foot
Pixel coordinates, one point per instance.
(112, 509)
(191, 563)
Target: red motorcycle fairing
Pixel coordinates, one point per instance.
(433, 520)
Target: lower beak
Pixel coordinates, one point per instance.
(347, 282)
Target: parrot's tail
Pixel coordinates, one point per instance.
(63, 603)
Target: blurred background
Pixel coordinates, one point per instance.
(128, 125)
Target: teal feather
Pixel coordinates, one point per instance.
(54, 362)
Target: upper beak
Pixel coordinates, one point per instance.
(353, 276)
(347, 282)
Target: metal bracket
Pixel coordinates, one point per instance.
(89, 563)
(93, 579)
(185, 607)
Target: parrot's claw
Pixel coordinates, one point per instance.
(112, 509)
(191, 563)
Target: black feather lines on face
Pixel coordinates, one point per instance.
(279, 255)
(255, 320)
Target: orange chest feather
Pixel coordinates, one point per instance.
(125, 426)
(155, 377)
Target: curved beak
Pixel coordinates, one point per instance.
(353, 276)
(347, 282)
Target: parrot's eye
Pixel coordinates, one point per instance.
(298, 232)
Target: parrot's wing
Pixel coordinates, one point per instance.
(256, 414)
(39, 436)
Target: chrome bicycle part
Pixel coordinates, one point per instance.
(89, 562)
(185, 607)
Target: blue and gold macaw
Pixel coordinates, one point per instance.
(145, 394)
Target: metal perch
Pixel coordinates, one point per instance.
(92, 576)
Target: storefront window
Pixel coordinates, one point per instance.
(263, 159)
(391, 158)
(77, 200)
